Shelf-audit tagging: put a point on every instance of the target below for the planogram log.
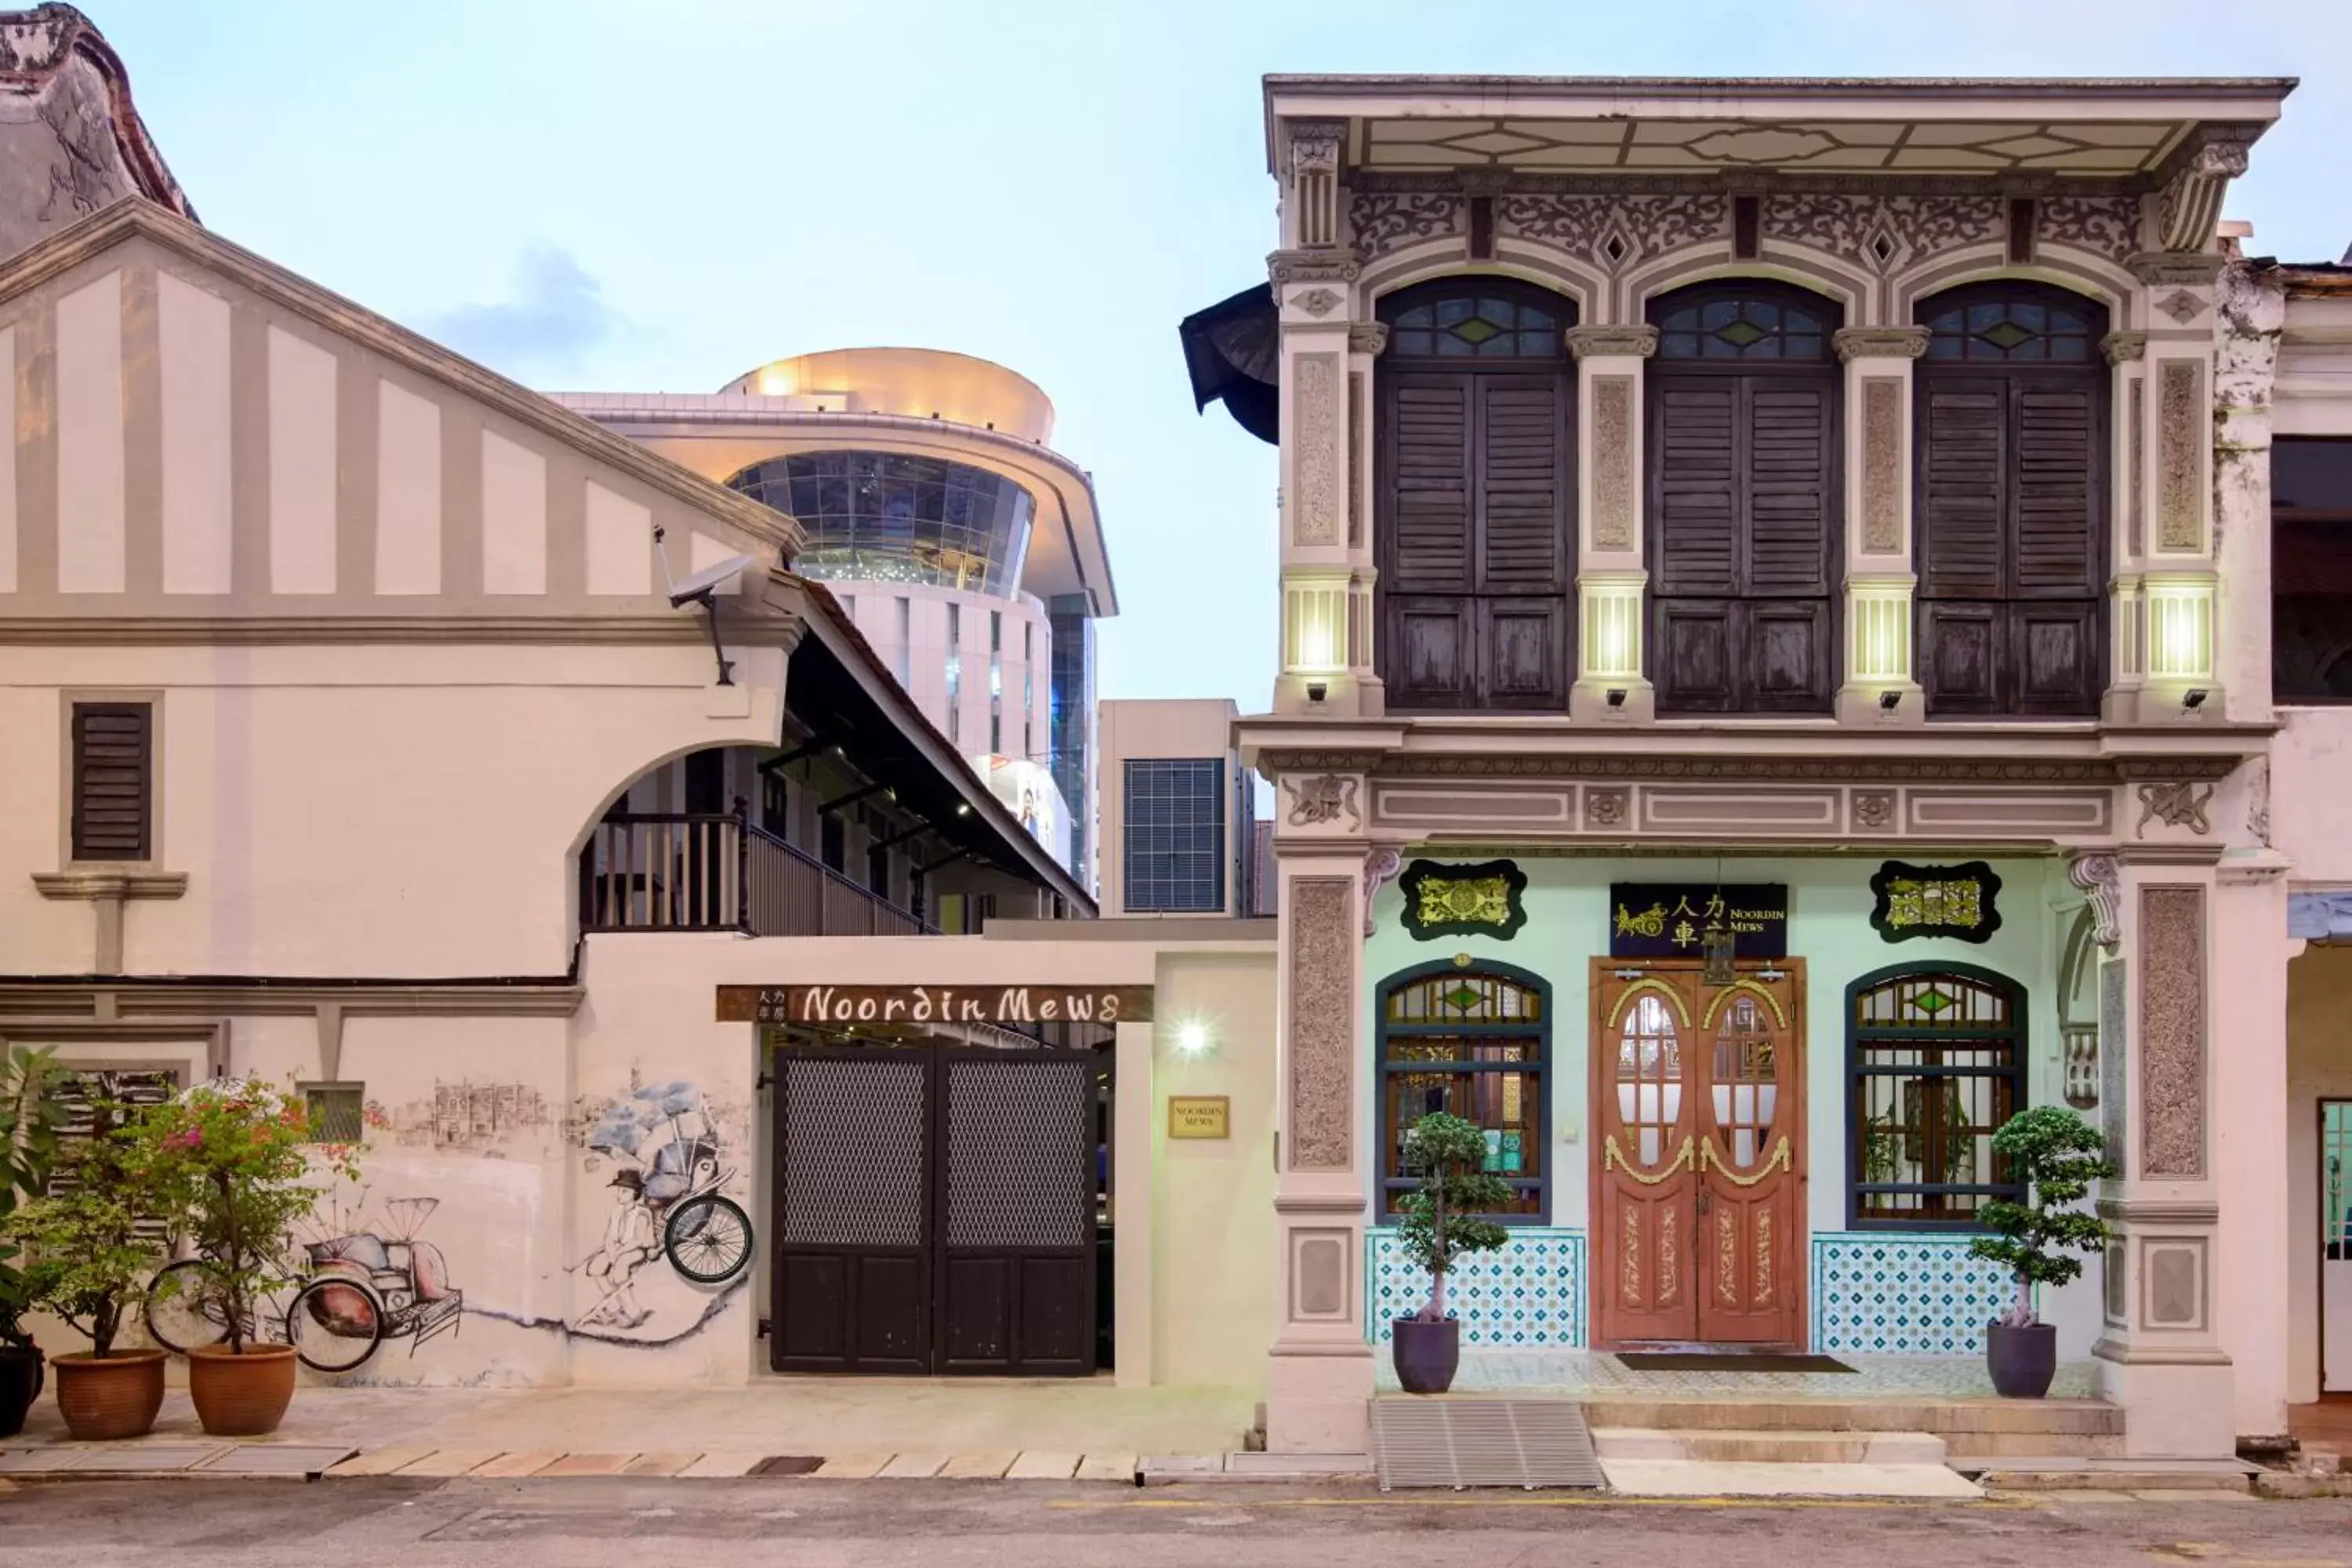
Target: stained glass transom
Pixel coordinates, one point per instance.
(1937, 1063)
(2011, 328)
(1474, 1044)
(1743, 327)
(1487, 326)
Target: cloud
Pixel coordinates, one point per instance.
(557, 313)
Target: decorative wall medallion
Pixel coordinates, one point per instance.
(1316, 463)
(1484, 899)
(1879, 343)
(1611, 342)
(1381, 868)
(1607, 807)
(1322, 798)
(1883, 477)
(2179, 449)
(2180, 305)
(2099, 876)
(2180, 805)
(1382, 221)
(1322, 1023)
(1317, 302)
(1665, 920)
(1613, 482)
(2172, 1031)
(1873, 808)
(2124, 348)
(1956, 901)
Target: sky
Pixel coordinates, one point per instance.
(657, 197)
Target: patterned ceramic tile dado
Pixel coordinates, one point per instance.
(1595, 1374)
(1528, 1296)
(1875, 1294)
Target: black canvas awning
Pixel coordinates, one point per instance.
(1232, 351)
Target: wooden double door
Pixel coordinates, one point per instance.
(1698, 1155)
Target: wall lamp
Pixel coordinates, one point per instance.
(1616, 696)
(2193, 699)
(1889, 702)
(1318, 689)
(1191, 1037)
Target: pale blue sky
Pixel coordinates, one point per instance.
(659, 197)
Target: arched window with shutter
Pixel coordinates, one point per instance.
(2011, 476)
(1475, 1043)
(1477, 465)
(1743, 504)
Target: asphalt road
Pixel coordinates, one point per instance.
(752, 1524)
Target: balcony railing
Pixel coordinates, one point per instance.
(687, 871)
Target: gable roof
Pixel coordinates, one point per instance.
(135, 218)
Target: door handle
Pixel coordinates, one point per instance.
(1704, 1200)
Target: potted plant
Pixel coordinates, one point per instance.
(28, 1146)
(1440, 1225)
(2054, 1156)
(88, 1248)
(237, 1159)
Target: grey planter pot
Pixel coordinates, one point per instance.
(1427, 1354)
(2021, 1361)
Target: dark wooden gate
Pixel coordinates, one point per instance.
(934, 1211)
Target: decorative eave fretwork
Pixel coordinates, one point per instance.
(1515, 182)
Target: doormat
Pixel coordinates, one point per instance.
(1727, 1361)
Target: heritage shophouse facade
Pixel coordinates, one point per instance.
(1850, 499)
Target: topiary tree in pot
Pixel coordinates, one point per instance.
(2054, 1156)
(1439, 1225)
(239, 1159)
(88, 1247)
(28, 1148)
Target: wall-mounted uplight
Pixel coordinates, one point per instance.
(1616, 696)
(1191, 1037)
(2193, 699)
(1889, 702)
(1318, 689)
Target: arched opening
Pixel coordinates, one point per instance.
(2010, 500)
(1475, 1043)
(1743, 499)
(1476, 472)
(1936, 1061)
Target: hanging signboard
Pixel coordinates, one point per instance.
(1957, 901)
(1665, 920)
(1488, 898)
(837, 1004)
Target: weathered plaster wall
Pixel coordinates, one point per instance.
(2319, 1066)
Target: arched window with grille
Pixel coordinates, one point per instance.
(1477, 1043)
(1743, 483)
(1476, 454)
(2010, 486)
(1935, 1062)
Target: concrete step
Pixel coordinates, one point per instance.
(2059, 1472)
(1768, 1448)
(2080, 1428)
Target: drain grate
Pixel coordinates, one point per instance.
(1482, 1443)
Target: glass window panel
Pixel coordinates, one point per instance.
(1716, 313)
(1419, 315)
(1648, 1141)
(1453, 312)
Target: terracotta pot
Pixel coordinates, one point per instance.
(241, 1396)
(1427, 1354)
(116, 1397)
(20, 1385)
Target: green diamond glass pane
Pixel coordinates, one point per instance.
(1741, 333)
(1932, 1001)
(2004, 335)
(1462, 998)
(1477, 330)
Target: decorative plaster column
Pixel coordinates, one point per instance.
(2165, 584)
(2160, 1354)
(2251, 311)
(1879, 576)
(1612, 582)
(1321, 493)
(1319, 1375)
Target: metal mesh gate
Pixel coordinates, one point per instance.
(935, 1211)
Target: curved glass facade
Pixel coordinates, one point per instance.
(887, 517)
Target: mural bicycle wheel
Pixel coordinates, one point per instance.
(179, 1318)
(708, 1238)
(335, 1323)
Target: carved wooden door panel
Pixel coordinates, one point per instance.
(1645, 1176)
(1749, 1104)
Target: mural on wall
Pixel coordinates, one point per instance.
(387, 1284)
(495, 1120)
(647, 1149)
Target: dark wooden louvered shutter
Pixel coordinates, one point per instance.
(1522, 433)
(1790, 522)
(2056, 494)
(1430, 464)
(1963, 459)
(111, 780)
(1695, 486)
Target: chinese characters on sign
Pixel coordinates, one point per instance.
(934, 1004)
(1936, 900)
(1484, 899)
(1665, 920)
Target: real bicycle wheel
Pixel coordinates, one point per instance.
(179, 1318)
(334, 1324)
(708, 1238)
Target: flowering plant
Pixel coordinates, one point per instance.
(237, 1159)
(91, 1243)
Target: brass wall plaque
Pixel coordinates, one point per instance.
(1199, 1116)
(934, 1004)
